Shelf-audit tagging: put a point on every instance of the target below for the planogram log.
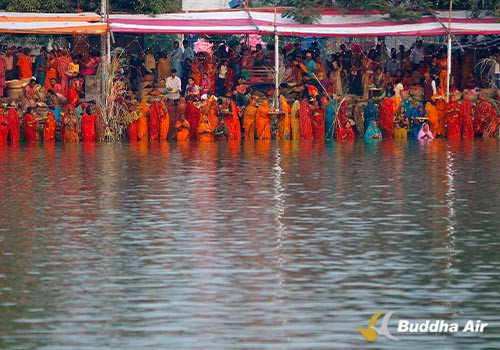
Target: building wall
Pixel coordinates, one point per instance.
(196, 5)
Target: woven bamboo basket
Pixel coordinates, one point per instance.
(487, 93)
(471, 97)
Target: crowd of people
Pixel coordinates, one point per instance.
(186, 95)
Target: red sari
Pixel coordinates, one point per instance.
(318, 123)
(30, 128)
(453, 119)
(14, 125)
(74, 93)
(24, 63)
(88, 128)
(4, 128)
(154, 121)
(132, 131)
(386, 118)
(49, 128)
(193, 116)
(484, 116)
(466, 119)
(305, 121)
(345, 133)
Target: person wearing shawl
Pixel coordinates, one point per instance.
(401, 124)
(142, 126)
(249, 119)
(466, 119)
(24, 63)
(330, 119)
(263, 121)
(341, 117)
(213, 116)
(51, 70)
(63, 61)
(14, 125)
(182, 127)
(154, 121)
(305, 120)
(205, 132)
(295, 121)
(30, 126)
(193, 115)
(432, 114)
(484, 116)
(373, 132)
(425, 133)
(453, 118)
(370, 114)
(176, 56)
(416, 120)
(283, 132)
(318, 121)
(346, 133)
(88, 126)
(386, 118)
(4, 126)
(164, 121)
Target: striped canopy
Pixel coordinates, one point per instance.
(332, 23)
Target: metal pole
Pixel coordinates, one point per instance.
(103, 48)
(448, 66)
(276, 63)
(108, 35)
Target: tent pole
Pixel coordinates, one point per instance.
(108, 34)
(103, 48)
(276, 64)
(448, 66)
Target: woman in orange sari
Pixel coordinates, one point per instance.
(62, 61)
(164, 121)
(233, 123)
(466, 119)
(249, 119)
(205, 132)
(49, 127)
(441, 112)
(142, 125)
(74, 91)
(284, 124)
(70, 126)
(51, 70)
(154, 121)
(25, 65)
(196, 73)
(294, 120)
(193, 115)
(432, 114)
(182, 127)
(263, 121)
(443, 71)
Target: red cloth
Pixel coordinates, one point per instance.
(346, 133)
(305, 121)
(49, 128)
(341, 119)
(14, 125)
(88, 128)
(483, 116)
(386, 118)
(73, 97)
(30, 128)
(453, 119)
(466, 120)
(193, 116)
(132, 131)
(318, 123)
(154, 121)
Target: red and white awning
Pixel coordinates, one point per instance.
(332, 23)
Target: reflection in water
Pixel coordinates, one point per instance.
(255, 245)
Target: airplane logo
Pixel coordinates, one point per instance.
(371, 332)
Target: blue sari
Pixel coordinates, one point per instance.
(371, 114)
(416, 126)
(371, 132)
(330, 119)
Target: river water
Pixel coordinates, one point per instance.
(247, 246)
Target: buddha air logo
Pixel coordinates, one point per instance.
(372, 332)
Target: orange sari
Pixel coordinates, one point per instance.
(263, 121)
(249, 120)
(164, 122)
(142, 130)
(205, 132)
(432, 114)
(284, 124)
(24, 63)
(182, 127)
(49, 128)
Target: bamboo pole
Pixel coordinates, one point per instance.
(276, 63)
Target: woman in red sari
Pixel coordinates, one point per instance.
(132, 131)
(484, 116)
(14, 125)
(305, 121)
(453, 118)
(49, 127)
(346, 133)
(154, 121)
(466, 119)
(30, 126)
(193, 115)
(51, 70)
(386, 118)
(88, 126)
(4, 126)
(318, 121)
(74, 91)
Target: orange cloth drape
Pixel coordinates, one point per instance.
(263, 121)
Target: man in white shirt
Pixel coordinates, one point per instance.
(173, 85)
